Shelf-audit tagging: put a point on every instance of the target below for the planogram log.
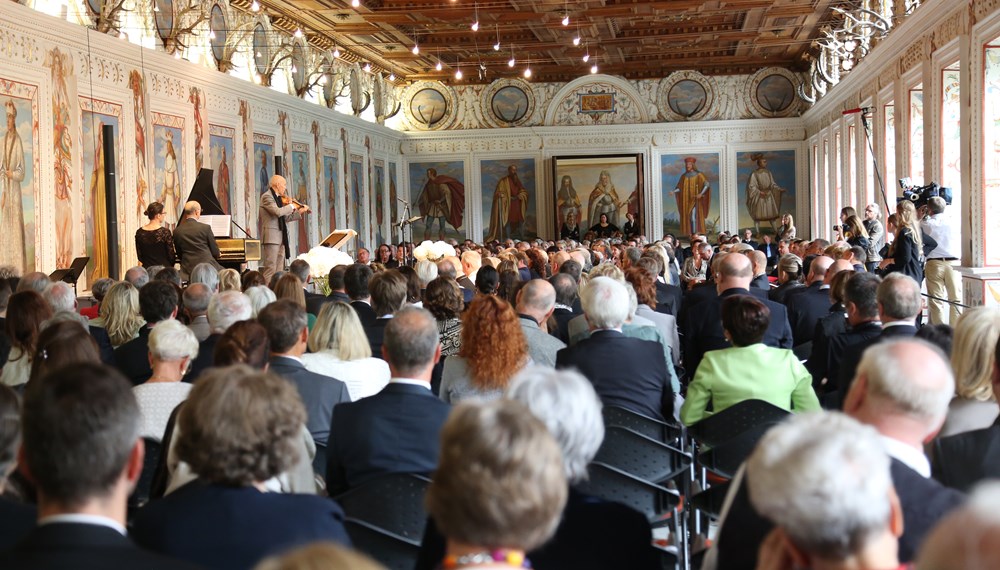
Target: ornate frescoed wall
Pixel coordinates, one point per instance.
(222, 156)
(169, 177)
(19, 175)
(97, 114)
(299, 184)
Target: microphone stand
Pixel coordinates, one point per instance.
(403, 223)
(878, 175)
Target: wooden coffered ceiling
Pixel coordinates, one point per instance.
(631, 38)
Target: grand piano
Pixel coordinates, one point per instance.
(235, 250)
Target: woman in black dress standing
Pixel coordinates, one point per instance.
(154, 244)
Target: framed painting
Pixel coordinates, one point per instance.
(168, 165)
(219, 26)
(690, 193)
(356, 199)
(263, 161)
(331, 181)
(393, 196)
(18, 180)
(378, 202)
(509, 199)
(96, 114)
(610, 184)
(298, 184)
(765, 186)
(438, 193)
(220, 151)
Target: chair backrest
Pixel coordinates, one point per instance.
(725, 459)
(393, 551)
(140, 495)
(641, 456)
(734, 420)
(393, 502)
(647, 426)
(612, 484)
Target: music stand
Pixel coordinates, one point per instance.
(71, 274)
(337, 238)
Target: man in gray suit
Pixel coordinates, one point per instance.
(194, 241)
(535, 303)
(273, 219)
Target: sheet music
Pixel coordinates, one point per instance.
(220, 224)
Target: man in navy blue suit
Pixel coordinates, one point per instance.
(288, 333)
(396, 430)
(627, 372)
(705, 332)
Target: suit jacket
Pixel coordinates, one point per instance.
(100, 336)
(200, 327)
(924, 502)
(563, 317)
(593, 534)
(705, 332)
(805, 308)
(365, 313)
(761, 282)
(375, 331)
(81, 546)
(315, 302)
(273, 219)
(319, 393)
(668, 298)
(17, 520)
(195, 243)
(132, 358)
(625, 372)
(780, 293)
(827, 328)
(465, 283)
(394, 431)
(962, 460)
(771, 251)
(542, 347)
(838, 346)
(205, 358)
(234, 528)
(852, 355)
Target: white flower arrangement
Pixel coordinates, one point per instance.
(321, 260)
(433, 251)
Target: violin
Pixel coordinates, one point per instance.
(286, 200)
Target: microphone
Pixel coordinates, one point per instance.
(401, 200)
(863, 110)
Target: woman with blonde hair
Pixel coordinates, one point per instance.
(229, 280)
(973, 358)
(906, 254)
(290, 287)
(338, 348)
(119, 313)
(787, 228)
(493, 351)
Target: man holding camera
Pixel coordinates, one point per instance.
(943, 282)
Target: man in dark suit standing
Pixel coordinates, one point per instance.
(902, 390)
(288, 332)
(356, 285)
(807, 305)
(83, 453)
(388, 295)
(396, 430)
(158, 301)
(626, 372)
(898, 306)
(705, 333)
(194, 241)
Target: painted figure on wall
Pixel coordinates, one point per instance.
(379, 203)
(139, 114)
(11, 210)
(99, 207)
(170, 195)
(604, 199)
(331, 189)
(199, 128)
(222, 184)
(393, 195)
(441, 199)
(510, 207)
(763, 194)
(567, 200)
(302, 195)
(356, 206)
(694, 198)
(61, 66)
(262, 176)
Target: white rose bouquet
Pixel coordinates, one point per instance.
(321, 260)
(433, 251)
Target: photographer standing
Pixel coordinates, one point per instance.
(876, 236)
(943, 281)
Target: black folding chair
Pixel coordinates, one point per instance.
(140, 495)
(393, 551)
(394, 503)
(710, 501)
(647, 426)
(319, 462)
(641, 456)
(734, 420)
(725, 459)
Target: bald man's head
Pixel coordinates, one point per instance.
(759, 261)
(733, 271)
(835, 268)
(818, 268)
(192, 209)
(537, 298)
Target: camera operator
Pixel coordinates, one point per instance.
(876, 236)
(943, 281)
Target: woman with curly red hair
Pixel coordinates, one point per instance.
(493, 351)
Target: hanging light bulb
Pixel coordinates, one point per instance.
(416, 49)
(593, 68)
(439, 66)
(294, 69)
(211, 34)
(336, 52)
(496, 46)
(298, 33)
(258, 54)
(458, 74)
(475, 23)
(254, 7)
(565, 20)
(355, 3)
(586, 57)
(257, 78)
(368, 67)
(527, 73)
(392, 76)
(576, 40)
(511, 62)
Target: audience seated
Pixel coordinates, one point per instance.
(789, 275)
(536, 302)
(252, 278)
(224, 310)
(829, 326)
(196, 298)
(356, 279)
(99, 289)
(643, 282)
(501, 487)
(244, 342)
(388, 294)
(824, 480)
(206, 273)
(260, 296)
(16, 518)
(493, 351)
(83, 452)
(172, 347)
(966, 538)
(748, 369)
(625, 372)
(26, 311)
(443, 298)
(157, 302)
(289, 287)
(288, 334)
(35, 281)
(339, 349)
(566, 296)
(238, 429)
(61, 344)
(320, 556)
(396, 430)
(119, 315)
(973, 361)
(807, 305)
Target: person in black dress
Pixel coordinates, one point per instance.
(570, 229)
(154, 244)
(604, 228)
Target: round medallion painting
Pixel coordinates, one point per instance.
(428, 106)
(261, 51)
(775, 93)
(164, 18)
(687, 98)
(217, 22)
(510, 104)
